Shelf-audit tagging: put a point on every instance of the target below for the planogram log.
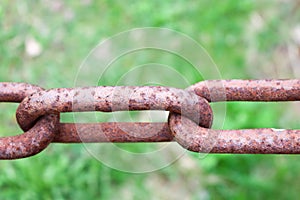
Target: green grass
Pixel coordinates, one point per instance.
(68, 30)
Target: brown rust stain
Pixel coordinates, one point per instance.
(38, 137)
(139, 98)
(246, 141)
(120, 132)
(183, 128)
(248, 90)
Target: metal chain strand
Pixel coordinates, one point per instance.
(38, 137)
(33, 114)
(279, 90)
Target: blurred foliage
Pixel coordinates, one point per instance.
(242, 37)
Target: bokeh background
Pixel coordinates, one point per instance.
(44, 43)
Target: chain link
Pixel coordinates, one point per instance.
(108, 99)
(247, 141)
(189, 121)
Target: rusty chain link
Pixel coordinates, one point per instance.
(250, 141)
(189, 121)
(108, 99)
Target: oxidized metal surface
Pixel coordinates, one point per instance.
(37, 138)
(16, 92)
(248, 90)
(247, 141)
(108, 99)
(38, 114)
(200, 139)
(31, 142)
(113, 132)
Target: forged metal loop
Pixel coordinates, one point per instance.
(246, 141)
(108, 99)
(38, 137)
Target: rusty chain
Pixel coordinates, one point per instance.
(189, 121)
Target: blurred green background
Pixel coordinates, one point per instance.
(44, 43)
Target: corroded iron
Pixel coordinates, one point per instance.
(34, 140)
(120, 132)
(16, 92)
(248, 90)
(245, 141)
(38, 114)
(248, 141)
(108, 99)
